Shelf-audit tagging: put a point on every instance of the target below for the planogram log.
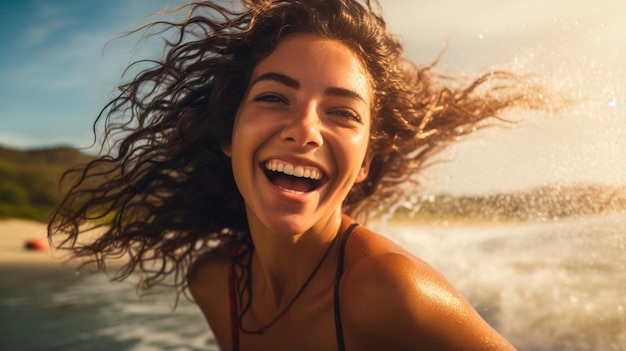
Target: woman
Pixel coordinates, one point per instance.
(241, 159)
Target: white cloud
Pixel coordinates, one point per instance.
(47, 19)
(39, 33)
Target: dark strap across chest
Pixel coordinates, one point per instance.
(342, 249)
(233, 298)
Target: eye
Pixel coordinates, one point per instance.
(270, 97)
(348, 114)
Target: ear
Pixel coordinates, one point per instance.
(226, 148)
(365, 168)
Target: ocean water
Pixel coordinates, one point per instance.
(558, 285)
(57, 309)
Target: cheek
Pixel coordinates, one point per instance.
(250, 132)
(239, 141)
(361, 141)
(355, 150)
(240, 134)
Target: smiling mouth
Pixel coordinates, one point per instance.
(295, 179)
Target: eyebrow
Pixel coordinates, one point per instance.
(341, 92)
(292, 83)
(277, 77)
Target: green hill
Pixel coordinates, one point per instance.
(29, 180)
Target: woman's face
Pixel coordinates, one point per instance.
(301, 133)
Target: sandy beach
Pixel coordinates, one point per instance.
(14, 234)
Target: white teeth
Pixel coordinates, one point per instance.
(296, 171)
(288, 169)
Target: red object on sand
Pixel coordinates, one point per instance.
(40, 244)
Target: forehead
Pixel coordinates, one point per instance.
(312, 59)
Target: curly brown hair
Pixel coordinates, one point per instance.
(162, 191)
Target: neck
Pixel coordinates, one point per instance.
(283, 263)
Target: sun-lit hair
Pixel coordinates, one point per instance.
(162, 190)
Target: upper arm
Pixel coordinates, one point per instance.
(208, 285)
(395, 301)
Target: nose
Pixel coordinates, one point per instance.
(303, 128)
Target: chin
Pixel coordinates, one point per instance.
(289, 225)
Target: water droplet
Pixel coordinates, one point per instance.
(613, 102)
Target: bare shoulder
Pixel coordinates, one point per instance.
(208, 270)
(391, 299)
(208, 285)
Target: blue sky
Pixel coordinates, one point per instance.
(59, 66)
(55, 71)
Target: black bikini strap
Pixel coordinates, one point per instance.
(338, 328)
